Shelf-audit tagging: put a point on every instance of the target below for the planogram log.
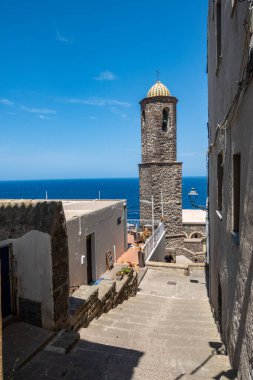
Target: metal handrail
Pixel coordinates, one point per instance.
(151, 243)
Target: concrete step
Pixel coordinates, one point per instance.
(166, 315)
(131, 323)
(188, 338)
(187, 361)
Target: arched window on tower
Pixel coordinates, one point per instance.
(165, 119)
(143, 119)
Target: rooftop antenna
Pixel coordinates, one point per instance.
(158, 75)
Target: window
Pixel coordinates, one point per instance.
(236, 191)
(165, 119)
(218, 30)
(196, 235)
(143, 119)
(219, 181)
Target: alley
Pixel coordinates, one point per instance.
(166, 332)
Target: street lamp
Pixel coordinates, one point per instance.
(193, 195)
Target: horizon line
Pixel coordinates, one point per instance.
(87, 178)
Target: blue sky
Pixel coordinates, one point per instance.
(73, 73)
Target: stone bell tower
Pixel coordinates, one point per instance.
(160, 174)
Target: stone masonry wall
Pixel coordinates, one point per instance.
(89, 302)
(160, 174)
(18, 218)
(157, 144)
(166, 178)
(194, 245)
(230, 252)
(188, 229)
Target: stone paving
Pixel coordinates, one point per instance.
(165, 332)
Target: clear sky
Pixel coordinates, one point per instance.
(72, 74)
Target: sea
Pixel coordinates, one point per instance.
(109, 188)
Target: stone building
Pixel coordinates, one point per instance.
(160, 173)
(50, 248)
(230, 88)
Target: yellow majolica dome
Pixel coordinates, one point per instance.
(158, 89)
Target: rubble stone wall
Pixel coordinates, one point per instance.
(164, 182)
(89, 302)
(21, 218)
(158, 144)
(188, 229)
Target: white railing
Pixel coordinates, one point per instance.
(153, 241)
(143, 222)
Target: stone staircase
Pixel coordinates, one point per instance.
(166, 332)
(157, 336)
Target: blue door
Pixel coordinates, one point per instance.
(5, 282)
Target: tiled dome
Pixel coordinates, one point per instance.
(158, 89)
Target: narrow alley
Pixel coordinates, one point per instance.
(166, 332)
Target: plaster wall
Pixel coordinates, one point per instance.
(231, 259)
(32, 253)
(36, 231)
(107, 235)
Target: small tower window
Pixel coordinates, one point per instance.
(165, 119)
(143, 119)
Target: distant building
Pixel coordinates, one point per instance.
(50, 248)
(230, 89)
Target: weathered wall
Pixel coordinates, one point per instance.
(195, 245)
(160, 174)
(166, 178)
(89, 302)
(32, 252)
(107, 234)
(157, 144)
(189, 229)
(37, 232)
(231, 260)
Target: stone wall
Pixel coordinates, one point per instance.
(163, 177)
(231, 253)
(157, 144)
(89, 302)
(188, 229)
(160, 174)
(19, 219)
(195, 257)
(194, 245)
(166, 178)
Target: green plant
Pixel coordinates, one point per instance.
(125, 271)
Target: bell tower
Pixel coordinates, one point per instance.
(160, 174)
